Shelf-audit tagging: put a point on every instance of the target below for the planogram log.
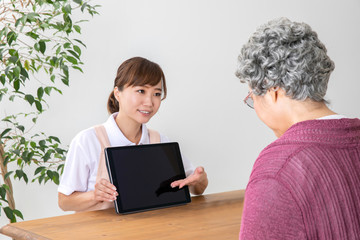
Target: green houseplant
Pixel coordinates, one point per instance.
(38, 51)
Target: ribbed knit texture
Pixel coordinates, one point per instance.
(306, 184)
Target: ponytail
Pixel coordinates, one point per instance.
(112, 104)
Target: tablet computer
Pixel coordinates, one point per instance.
(142, 175)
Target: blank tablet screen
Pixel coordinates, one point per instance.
(142, 175)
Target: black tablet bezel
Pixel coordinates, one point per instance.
(112, 176)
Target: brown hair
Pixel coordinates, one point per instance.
(136, 71)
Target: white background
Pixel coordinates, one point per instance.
(196, 42)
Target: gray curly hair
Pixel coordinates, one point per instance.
(288, 55)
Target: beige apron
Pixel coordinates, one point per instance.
(102, 172)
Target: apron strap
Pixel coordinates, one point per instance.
(154, 136)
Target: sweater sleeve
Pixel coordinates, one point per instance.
(270, 212)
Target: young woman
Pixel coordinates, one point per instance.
(139, 88)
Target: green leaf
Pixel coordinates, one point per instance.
(60, 167)
(18, 213)
(77, 68)
(71, 59)
(29, 98)
(74, 54)
(21, 128)
(25, 156)
(38, 170)
(6, 187)
(67, 9)
(27, 65)
(77, 49)
(5, 132)
(11, 36)
(2, 79)
(48, 89)
(17, 152)
(42, 143)
(58, 50)
(17, 84)
(58, 90)
(24, 73)
(55, 138)
(32, 16)
(44, 25)
(80, 42)
(83, 6)
(33, 144)
(32, 35)
(24, 19)
(9, 214)
(41, 178)
(40, 93)
(50, 174)
(78, 1)
(65, 70)
(65, 80)
(60, 151)
(8, 174)
(77, 28)
(3, 191)
(47, 156)
(38, 106)
(18, 21)
(67, 45)
(16, 71)
(7, 158)
(52, 78)
(55, 178)
(25, 178)
(19, 173)
(42, 46)
(13, 59)
(7, 70)
(37, 47)
(13, 52)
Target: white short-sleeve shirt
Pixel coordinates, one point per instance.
(82, 159)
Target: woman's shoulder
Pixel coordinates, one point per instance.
(85, 136)
(273, 159)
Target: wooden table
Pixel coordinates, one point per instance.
(212, 216)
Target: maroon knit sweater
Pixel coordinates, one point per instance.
(306, 184)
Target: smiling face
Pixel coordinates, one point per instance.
(138, 104)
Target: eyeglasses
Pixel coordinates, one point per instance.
(248, 100)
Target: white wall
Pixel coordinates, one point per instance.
(196, 43)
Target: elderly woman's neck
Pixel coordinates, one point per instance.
(298, 111)
(307, 110)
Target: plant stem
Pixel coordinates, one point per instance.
(7, 181)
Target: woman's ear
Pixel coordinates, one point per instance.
(274, 94)
(117, 94)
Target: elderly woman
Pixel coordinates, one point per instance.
(306, 184)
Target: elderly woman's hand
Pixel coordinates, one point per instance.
(197, 181)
